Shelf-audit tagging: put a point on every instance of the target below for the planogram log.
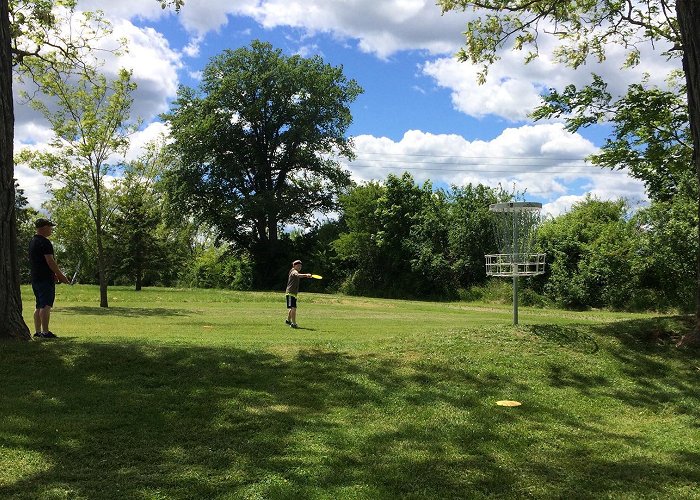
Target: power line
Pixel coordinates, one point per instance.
(491, 171)
(473, 157)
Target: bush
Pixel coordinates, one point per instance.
(500, 291)
(215, 267)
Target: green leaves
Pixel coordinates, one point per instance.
(651, 134)
(404, 240)
(257, 142)
(584, 28)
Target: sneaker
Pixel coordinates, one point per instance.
(287, 322)
(38, 335)
(49, 335)
(293, 325)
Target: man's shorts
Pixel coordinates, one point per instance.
(45, 293)
(291, 301)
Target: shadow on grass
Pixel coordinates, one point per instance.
(570, 337)
(127, 312)
(135, 421)
(664, 377)
(646, 352)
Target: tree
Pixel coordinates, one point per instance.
(75, 242)
(91, 123)
(26, 216)
(356, 246)
(651, 135)
(256, 145)
(471, 230)
(585, 29)
(591, 256)
(137, 246)
(403, 240)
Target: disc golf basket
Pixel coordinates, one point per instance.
(516, 225)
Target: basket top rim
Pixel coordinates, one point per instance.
(516, 206)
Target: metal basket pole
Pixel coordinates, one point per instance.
(515, 270)
(520, 261)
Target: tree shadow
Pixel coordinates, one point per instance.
(650, 334)
(133, 421)
(570, 337)
(126, 312)
(642, 350)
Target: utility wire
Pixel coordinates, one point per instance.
(588, 168)
(592, 171)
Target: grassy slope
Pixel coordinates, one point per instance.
(186, 394)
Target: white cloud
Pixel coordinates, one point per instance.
(381, 28)
(561, 205)
(139, 140)
(127, 9)
(154, 68)
(512, 88)
(544, 160)
(34, 185)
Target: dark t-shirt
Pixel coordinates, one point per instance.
(38, 248)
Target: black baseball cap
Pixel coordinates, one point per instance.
(43, 222)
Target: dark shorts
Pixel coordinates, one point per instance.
(291, 301)
(45, 293)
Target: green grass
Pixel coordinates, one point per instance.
(207, 394)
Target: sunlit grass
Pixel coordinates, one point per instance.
(201, 394)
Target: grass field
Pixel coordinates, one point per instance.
(207, 394)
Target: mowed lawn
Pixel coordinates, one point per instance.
(208, 394)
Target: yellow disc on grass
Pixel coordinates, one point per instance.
(508, 403)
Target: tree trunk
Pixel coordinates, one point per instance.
(272, 229)
(688, 14)
(101, 272)
(139, 278)
(12, 325)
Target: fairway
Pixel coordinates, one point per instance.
(208, 394)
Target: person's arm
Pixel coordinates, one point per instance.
(54, 267)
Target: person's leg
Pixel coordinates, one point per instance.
(45, 316)
(37, 320)
(45, 295)
(293, 312)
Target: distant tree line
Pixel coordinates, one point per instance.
(401, 240)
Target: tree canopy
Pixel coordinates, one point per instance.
(256, 144)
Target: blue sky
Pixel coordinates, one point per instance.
(421, 109)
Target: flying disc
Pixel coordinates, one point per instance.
(317, 276)
(508, 403)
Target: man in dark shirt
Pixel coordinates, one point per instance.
(44, 273)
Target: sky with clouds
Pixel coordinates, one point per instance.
(421, 110)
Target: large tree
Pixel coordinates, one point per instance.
(586, 29)
(256, 144)
(11, 322)
(90, 121)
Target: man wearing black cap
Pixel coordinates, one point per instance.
(292, 291)
(45, 273)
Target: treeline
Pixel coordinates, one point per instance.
(401, 240)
